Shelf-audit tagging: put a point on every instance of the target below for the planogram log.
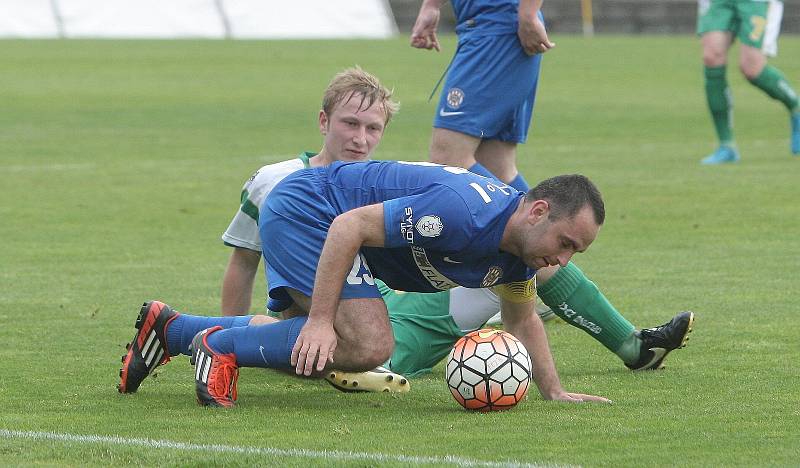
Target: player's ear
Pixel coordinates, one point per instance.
(323, 122)
(539, 209)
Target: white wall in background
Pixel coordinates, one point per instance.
(27, 18)
(242, 19)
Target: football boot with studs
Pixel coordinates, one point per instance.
(148, 349)
(215, 375)
(658, 342)
(379, 379)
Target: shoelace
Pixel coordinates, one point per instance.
(658, 333)
(225, 381)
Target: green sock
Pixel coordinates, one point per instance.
(578, 301)
(720, 103)
(772, 82)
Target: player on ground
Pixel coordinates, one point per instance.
(487, 101)
(419, 228)
(756, 23)
(441, 227)
(426, 324)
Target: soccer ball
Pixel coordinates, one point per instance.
(488, 370)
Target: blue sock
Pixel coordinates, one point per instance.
(520, 183)
(269, 345)
(478, 168)
(184, 327)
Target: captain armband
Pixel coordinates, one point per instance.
(518, 292)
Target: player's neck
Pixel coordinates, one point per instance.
(511, 240)
(321, 159)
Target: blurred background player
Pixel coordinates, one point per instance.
(756, 23)
(487, 101)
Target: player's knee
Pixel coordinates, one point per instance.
(366, 358)
(453, 148)
(380, 350)
(440, 154)
(713, 57)
(372, 352)
(262, 319)
(750, 70)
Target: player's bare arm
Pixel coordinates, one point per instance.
(348, 233)
(521, 320)
(423, 34)
(237, 284)
(531, 31)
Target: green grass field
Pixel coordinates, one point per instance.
(121, 164)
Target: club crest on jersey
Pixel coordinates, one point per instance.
(429, 226)
(455, 97)
(492, 276)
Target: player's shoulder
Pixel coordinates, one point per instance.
(267, 177)
(271, 174)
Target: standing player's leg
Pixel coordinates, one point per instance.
(716, 24)
(456, 135)
(718, 95)
(500, 158)
(759, 39)
(453, 148)
(490, 81)
(498, 153)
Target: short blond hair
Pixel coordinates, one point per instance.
(355, 81)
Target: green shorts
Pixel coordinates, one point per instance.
(424, 331)
(755, 23)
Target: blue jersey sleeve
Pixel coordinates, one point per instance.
(438, 219)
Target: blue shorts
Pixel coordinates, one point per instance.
(293, 224)
(490, 89)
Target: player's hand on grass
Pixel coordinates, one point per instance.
(423, 35)
(533, 35)
(580, 398)
(315, 344)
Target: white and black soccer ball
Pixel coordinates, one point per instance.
(488, 370)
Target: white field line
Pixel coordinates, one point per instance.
(275, 452)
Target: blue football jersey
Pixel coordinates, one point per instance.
(486, 16)
(443, 224)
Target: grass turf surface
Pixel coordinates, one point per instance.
(121, 164)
